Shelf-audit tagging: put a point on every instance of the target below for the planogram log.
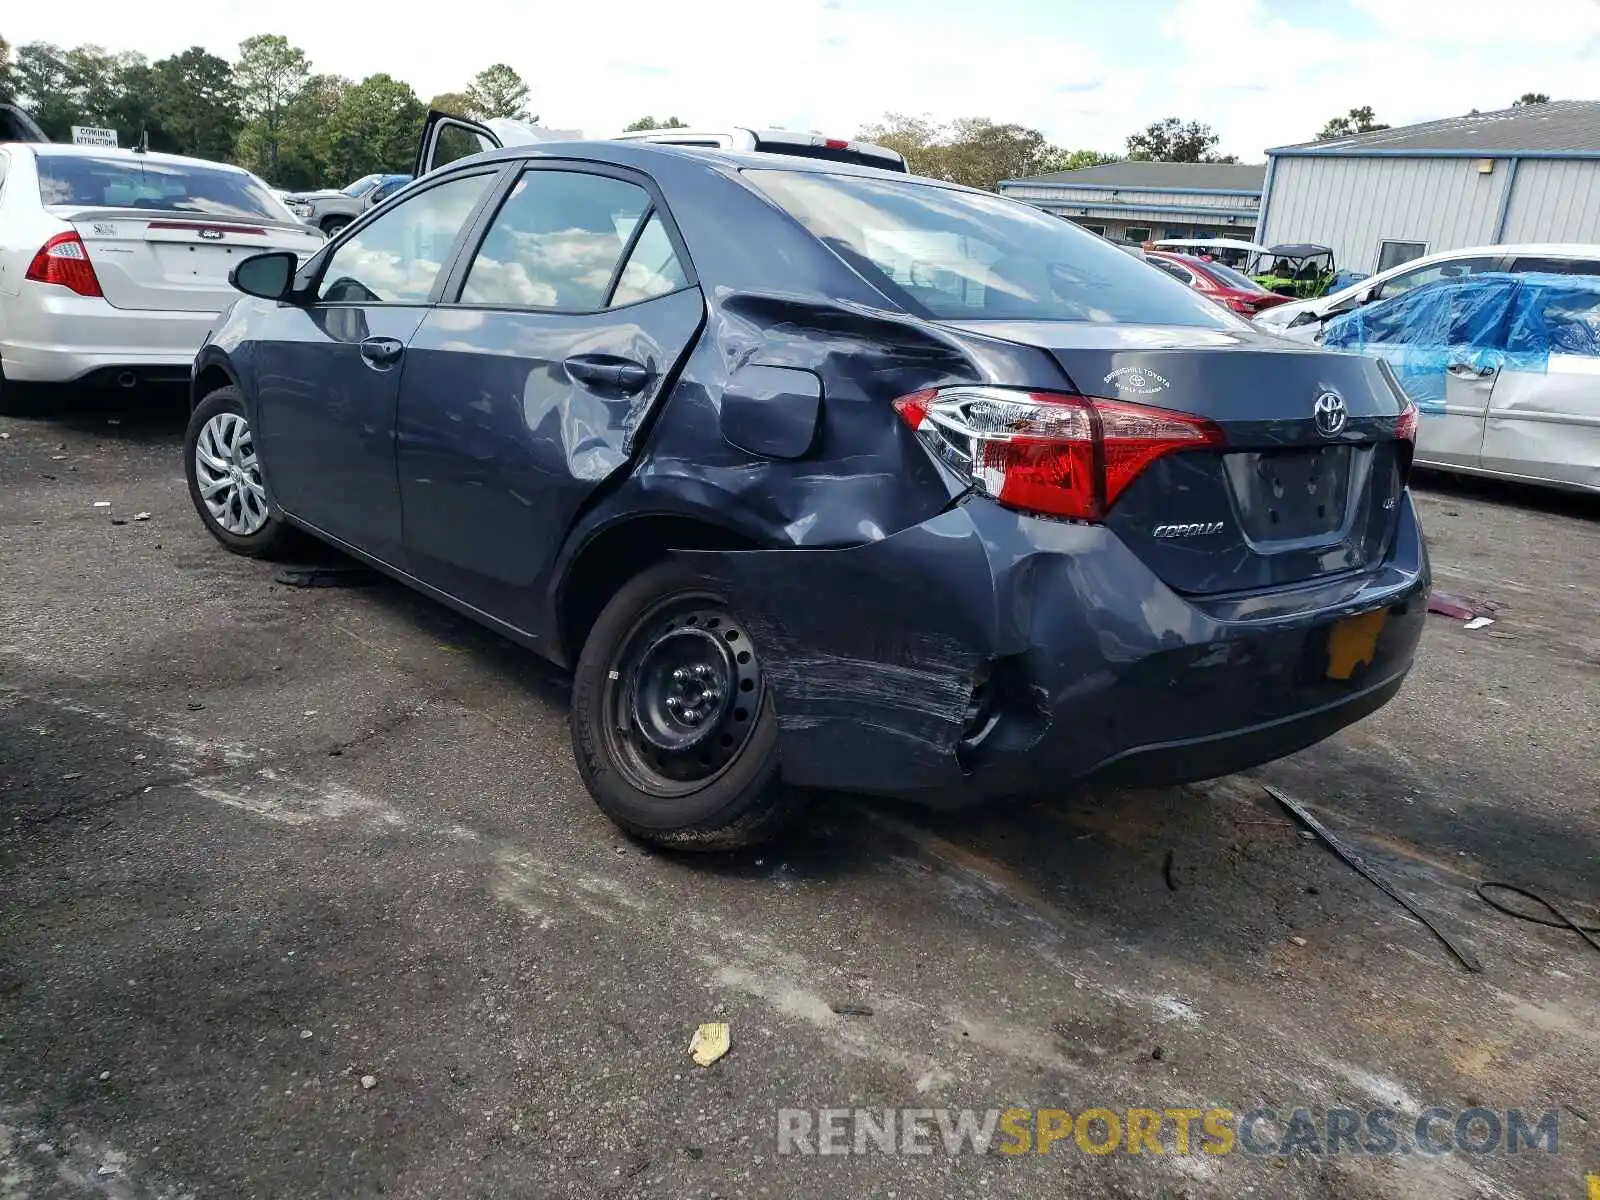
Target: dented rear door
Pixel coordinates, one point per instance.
(528, 392)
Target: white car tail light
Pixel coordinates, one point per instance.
(1049, 452)
(64, 260)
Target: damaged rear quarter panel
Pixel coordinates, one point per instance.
(870, 652)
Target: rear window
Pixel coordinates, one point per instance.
(965, 256)
(838, 154)
(1237, 280)
(139, 182)
(1556, 266)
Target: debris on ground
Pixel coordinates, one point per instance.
(368, 1082)
(851, 1010)
(141, 516)
(1298, 941)
(1478, 622)
(1462, 608)
(711, 1042)
(102, 504)
(313, 577)
(1562, 921)
(1166, 873)
(1317, 829)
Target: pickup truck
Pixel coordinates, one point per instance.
(332, 209)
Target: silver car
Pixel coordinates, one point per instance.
(1504, 370)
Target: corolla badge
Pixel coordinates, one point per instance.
(1136, 379)
(1330, 413)
(1196, 529)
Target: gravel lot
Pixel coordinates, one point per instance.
(259, 842)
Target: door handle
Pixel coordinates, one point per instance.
(1463, 371)
(602, 372)
(381, 353)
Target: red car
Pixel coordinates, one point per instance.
(1229, 288)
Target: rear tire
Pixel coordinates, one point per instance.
(675, 736)
(220, 463)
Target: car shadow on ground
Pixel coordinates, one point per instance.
(1443, 485)
(144, 415)
(1199, 872)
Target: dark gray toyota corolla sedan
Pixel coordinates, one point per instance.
(824, 477)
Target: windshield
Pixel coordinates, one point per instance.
(1229, 277)
(140, 182)
(965, 256)
(363, 185)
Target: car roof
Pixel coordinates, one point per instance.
(639, 154)
(70, 150)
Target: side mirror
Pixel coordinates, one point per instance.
(269, 275)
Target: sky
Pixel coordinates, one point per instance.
(1087, 73)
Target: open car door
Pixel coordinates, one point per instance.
(446, 137)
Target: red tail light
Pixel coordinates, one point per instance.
(836, 143)
(1049, 452)
(1405, 425)
(64, 260)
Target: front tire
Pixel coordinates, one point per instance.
(672, 724)
(225, 480)
(332, 226)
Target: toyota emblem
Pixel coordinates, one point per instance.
(1330, 413)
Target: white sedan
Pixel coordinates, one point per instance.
(114, 263)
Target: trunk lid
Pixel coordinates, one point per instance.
(176, 261)
(1287, 499)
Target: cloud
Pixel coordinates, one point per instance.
(1257, 76)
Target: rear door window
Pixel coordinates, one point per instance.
(1454, 269)
(396, 258)
(1557, 320)
(142, 181)
(1172, 269)
(955, 255)
(653, 268)
(556, 242)
(1555, 266)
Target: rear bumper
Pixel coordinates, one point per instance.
(985, 653)
(50, 335)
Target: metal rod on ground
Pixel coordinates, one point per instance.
(1468, 959)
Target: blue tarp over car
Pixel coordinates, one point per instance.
(1486, 323)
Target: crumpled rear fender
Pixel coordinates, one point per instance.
(870, 652)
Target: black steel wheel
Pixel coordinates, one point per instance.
(671, 719)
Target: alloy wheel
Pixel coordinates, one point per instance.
(229, 476)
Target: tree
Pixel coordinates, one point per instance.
(975, 151)
(1056, 159)
(1172, 140)
(916, 139)
(498, 91)
(1528, 98)
(374, 128)
(270, 74)
(980, 153)
(8, 73)
(197, 103)
(44, 85)
(646, 123)
(1357, 120)
(307, 134)
(457, 104)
